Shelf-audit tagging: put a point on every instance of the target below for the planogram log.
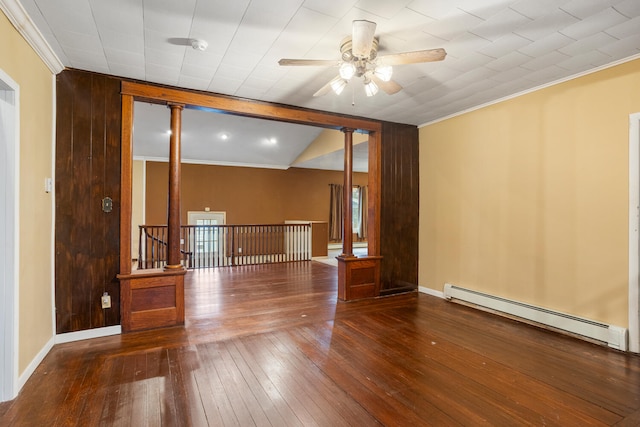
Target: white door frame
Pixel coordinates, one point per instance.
(9, 228)
(634, 234)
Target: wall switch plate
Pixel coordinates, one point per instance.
(48, 185)
(106, 300)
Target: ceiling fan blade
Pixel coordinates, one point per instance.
(312, 62)
(430, 55)
(389, 87)
(362, 38)
(326, 88)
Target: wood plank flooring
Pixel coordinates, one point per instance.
(269, 346)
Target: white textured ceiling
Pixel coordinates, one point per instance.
(496, 48)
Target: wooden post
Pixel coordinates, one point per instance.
(173, 220)
(347, 226)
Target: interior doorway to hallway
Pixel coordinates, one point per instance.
(9, 169)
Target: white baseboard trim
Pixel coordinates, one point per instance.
(88, 334)
(22, 379)
(431, 292)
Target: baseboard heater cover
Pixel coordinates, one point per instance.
(613, 336)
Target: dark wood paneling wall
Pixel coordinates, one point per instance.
(399, 207)
(87, 170)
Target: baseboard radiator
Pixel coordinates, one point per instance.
(613, 336)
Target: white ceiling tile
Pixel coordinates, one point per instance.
(122, 41)
(510, 74)
(537, 9)
(469, 61)
(127, 70)
(123, 16)
(465, 44)
(544, 61)
(196, 72)
(453, 25)
(504, 45)
(160, 73)
(585, 8)
(216, 21)
(302, 34)
(622, 48)
(156, 56)
(124, 57)
(171, 18)
(335, 8)
(499, 24)
(383, 8)
(193, 82)
(594, 24)
(205, 60)
(549, 74)
(629, 8)
(68, 15)
(224, 85)
(511, 60)
(549, 23)
(436, 9)
(587, 44)
(546, 45)
(585, 61)
(229, 71)
(75, 41)
(485, 9)
(625, 29)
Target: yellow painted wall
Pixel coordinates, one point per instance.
(528, 199)
(21, 63)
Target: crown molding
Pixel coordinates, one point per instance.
(533, 89)
(15, 12)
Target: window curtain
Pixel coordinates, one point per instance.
(364, 212)
(336, 212)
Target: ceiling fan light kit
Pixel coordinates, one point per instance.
(359, 54)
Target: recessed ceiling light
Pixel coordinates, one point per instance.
(272, 140)
(224, 136)
(169, 132)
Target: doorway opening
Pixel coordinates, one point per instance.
(9, 170)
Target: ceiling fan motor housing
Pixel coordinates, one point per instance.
(362, 65)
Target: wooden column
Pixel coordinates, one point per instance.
(347, 227)
(173, 220)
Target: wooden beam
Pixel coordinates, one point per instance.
(246, 107)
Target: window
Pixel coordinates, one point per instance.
(355, 209)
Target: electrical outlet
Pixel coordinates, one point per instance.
(106, 300)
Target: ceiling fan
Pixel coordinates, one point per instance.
(360, 59)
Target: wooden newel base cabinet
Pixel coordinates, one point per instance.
(151, 299)
(358, 278)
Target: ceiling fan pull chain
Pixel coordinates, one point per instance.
(353, 96)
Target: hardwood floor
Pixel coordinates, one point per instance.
(269, 346)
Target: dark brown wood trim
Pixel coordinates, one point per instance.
(157, 94)
(347, 227)
(375, 189)
(126, 162)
